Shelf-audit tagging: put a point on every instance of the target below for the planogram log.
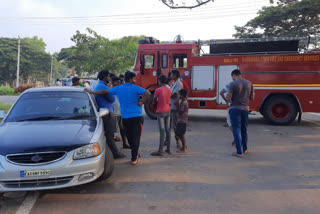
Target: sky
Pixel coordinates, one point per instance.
(55, 21)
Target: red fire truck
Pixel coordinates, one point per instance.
(286, 81)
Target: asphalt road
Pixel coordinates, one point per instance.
(8, 99)
(279, 175)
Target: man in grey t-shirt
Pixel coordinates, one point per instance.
(240, 92)
(175, 87)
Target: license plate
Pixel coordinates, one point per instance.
(35, 173)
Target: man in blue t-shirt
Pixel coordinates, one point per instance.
(131, 110)
(106, 101)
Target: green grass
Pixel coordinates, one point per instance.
(6, 91)
(4, 107)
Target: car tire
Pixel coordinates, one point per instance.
(280, 110)
(108, 164)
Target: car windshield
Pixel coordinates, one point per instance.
(51, 106)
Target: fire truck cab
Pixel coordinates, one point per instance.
(286, 81)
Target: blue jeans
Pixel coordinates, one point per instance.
(239, 121)
(164, 128)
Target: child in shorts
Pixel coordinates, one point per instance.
(182, 111)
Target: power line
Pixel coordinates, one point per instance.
(141, 19)
(181, 19)
(143, 15)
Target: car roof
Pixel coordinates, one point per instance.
(56, 89)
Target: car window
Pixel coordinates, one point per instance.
(51, 104)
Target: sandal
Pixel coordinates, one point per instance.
(157, 153)
(169, 152)
(246, 152)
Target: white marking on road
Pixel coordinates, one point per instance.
(28, 203)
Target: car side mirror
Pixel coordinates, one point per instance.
(103, 112)
(2, 115)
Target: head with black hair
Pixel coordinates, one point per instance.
(112, 75)
(236, 74)
(121, 76)
(162, 80)
(130, 77)
(104, 75)
(115, 81)
(75, 81)
(183, 93)
(175, 74)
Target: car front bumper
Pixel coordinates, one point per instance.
(64, 173)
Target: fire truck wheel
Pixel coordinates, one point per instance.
(151, 107)
(280, 110)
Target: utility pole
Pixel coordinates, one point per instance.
(51, 70)
(18, 63)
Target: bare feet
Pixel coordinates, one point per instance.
(134, 162)
(182, 150)
(246, 152)
(237, 155)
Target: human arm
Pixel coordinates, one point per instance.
(252, 94)
(145, 98)
(100, 92)
(229, 97)
(222, 94)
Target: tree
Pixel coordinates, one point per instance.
(190, 4)
(33, 60)
(289, 18)
(175, 4)
(92, 53)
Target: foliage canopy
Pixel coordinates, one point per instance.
(289, 18)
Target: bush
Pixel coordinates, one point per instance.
(6, 91)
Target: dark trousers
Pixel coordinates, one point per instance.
(108, 123)
(239, 121)
(133, 127)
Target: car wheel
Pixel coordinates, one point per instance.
(108, 164)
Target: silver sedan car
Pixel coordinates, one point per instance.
(53, 138)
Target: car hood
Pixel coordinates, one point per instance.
(42, 136)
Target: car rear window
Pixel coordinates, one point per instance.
(51, 104)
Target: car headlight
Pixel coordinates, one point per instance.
(87, 151)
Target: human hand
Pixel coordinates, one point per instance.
(87, 90)
(140, 103)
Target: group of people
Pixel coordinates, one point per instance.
(125, 100)
(75, 81)
(130, 98)
(172, 112)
